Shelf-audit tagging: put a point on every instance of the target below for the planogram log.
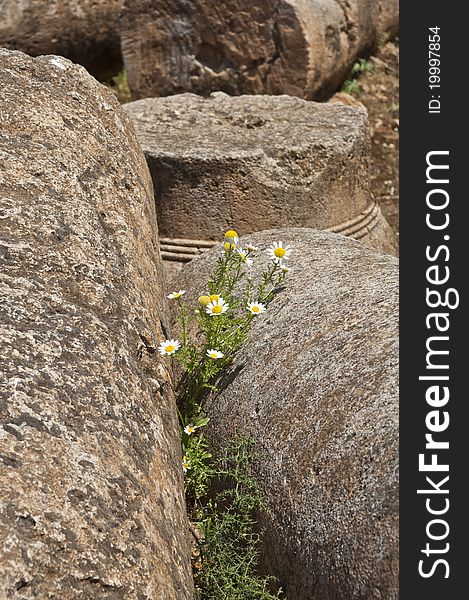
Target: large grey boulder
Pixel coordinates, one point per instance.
(84, 31)
(316, 387)
(92, 491)
(259, 162)
(299, 47)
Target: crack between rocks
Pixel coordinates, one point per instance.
(276, 37)
(95, 580)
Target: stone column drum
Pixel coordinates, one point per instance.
(303, 48)
(316, 386)
(85, 31)
(92, 502)
(254, 163)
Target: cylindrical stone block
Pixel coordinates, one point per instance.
(85, 31)
(316, 386)
(303, 48)
(258, 162)
(90, 466)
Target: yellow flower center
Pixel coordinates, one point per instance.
(170, 348)
(280, 252)
(255, 309)
(217, 309)
(213, 298)
(231, 234)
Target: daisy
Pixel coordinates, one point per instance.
(188, 429)
(231, 237)
(217, 307)
(169, 347)
(251, 248)
(285, 269)
(215, 354)
(279, 252)
(185, 464)
(256, 308)
(176, 295)
(243, 254)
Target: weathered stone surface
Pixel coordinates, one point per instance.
(316, 387)
(92, 491)
(299, 47)
(348, 99)
(84, 31)
(259, 162)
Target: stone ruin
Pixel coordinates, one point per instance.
(85, 31)
(92, 488)
(259, 162)
(302, 48)
(316, 387)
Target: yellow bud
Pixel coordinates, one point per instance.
(204, 300)
(214, 298)
(229, 246)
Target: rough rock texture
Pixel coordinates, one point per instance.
(86, 31)
(92, 492)
(258, 162)
(299, 47)
(348, 99)
(316, 386)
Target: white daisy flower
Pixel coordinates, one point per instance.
(285, 269)
(278, 252)
(217, 307)
(169, 347)
(251, 248)
(243, 254)
(189, 429)
(185, 464)
(256, 308)
(176, 295)
(215, 354)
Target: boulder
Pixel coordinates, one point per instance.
(92, 489)
(315, 386)
(84, 31)
(304, 48)
(258, 162)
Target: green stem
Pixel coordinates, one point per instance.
(184, 319)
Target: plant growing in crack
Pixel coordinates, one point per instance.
(225, 561)
(351, 85)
